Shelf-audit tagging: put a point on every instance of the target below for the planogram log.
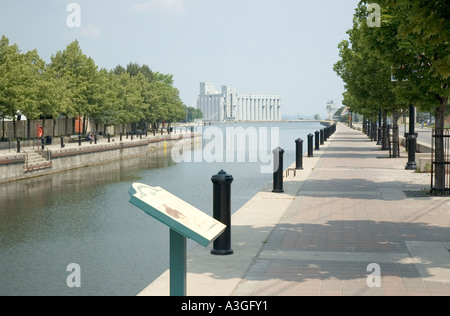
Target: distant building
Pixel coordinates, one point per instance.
(228, 105)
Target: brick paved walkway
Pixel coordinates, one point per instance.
(354, 210)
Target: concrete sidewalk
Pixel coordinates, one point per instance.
(349, 208)
(357, 208)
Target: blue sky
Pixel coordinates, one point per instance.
(285, 47)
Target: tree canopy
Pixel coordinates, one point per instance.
(73, 85)
(411, 44)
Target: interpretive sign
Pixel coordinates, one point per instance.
(184, 221)
(176, 213)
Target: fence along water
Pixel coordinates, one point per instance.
(53, 127)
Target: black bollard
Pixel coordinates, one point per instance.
(79, 140)
(18, 145)
(62, 142)
(222, 212)
(278, 170)
(299, 154)
(317, 140)
(321, 137)
(42, 143)
(109, 138)
(121, 135)
(95, 139)
(310, 146)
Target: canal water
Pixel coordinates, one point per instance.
(84, 217)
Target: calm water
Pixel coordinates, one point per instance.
(84, 217)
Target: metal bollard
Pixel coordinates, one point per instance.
(310, 146)
(299, 154)
(18, 145)
(222, 212)
(79, 140)
(62, 142)
(278, 170)
(42, 143)
(317, 140)
(109, 138)
(121, 136)
(95, 139)
(321, 137)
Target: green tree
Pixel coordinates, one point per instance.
(130, 104)
(414, 37)
(108, 105)
(192, 113)
(161, 99)
(19, 82)
(82, 79)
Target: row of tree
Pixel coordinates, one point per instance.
(399, 56)
(72, 85)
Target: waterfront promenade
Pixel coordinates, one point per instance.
(352, 223)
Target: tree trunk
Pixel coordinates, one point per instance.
(43, 128)
(66, 127)
(385, 132)
(14, 127)
(28, 129)
(85, 125)
(3, 129)
(439, 169)
(395, 134)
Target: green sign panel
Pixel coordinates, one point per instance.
(176, 213)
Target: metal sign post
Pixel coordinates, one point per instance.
(178, 267)
(184, 221)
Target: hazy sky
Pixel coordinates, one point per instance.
(285, 47)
